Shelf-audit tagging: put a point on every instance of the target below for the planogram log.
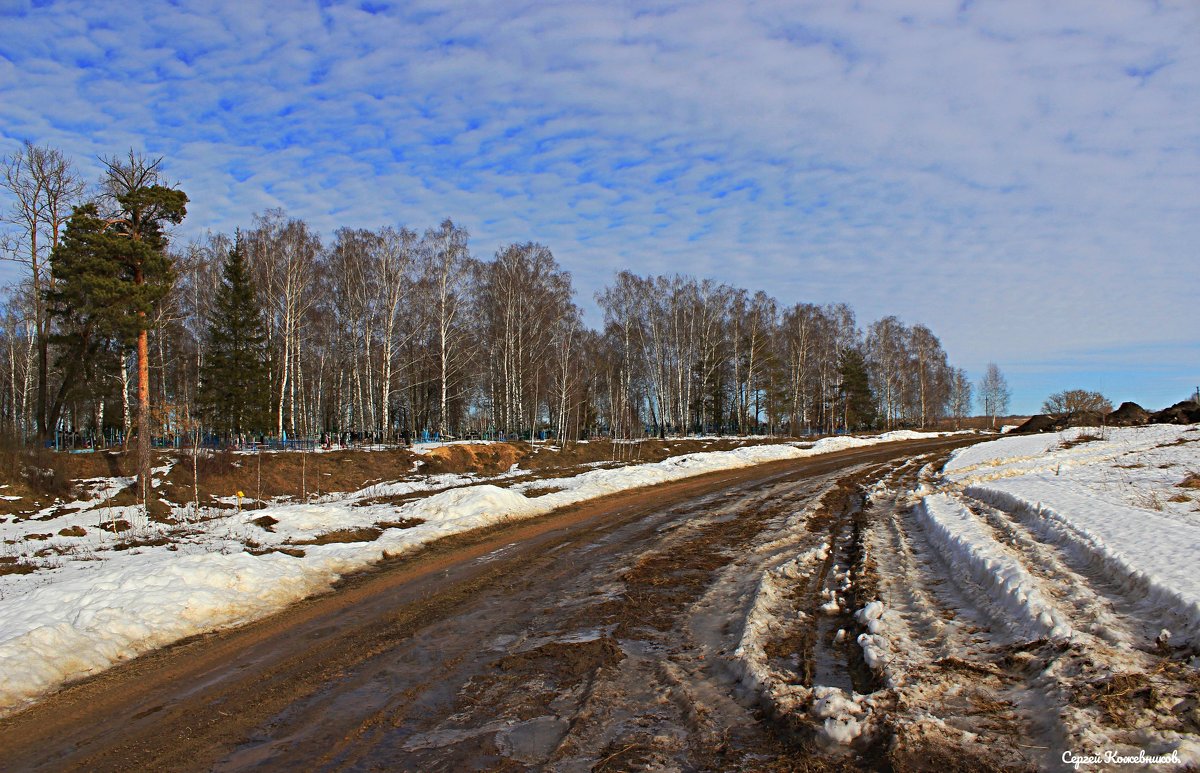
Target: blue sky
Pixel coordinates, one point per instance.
(1023, 177)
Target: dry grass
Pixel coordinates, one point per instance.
(1149, 500)
(1085, 437)
(1192, 480)
(13, 565)
(141, 543)
(1123, 697)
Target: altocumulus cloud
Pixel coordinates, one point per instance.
(1021, 176)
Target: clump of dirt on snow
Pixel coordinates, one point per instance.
(362, 534)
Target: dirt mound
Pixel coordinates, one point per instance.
(1128, 415)
(291, 474)
(1186, 412)
(487, 459)
(1041, 423)
(1055, 423)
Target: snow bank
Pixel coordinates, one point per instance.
(1109, 497)
(72, 628)
(1151, 556)
(969, 546)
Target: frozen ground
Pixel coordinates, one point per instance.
(94, 597)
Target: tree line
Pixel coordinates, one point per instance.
(395, 332)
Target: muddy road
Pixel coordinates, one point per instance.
(704, 624)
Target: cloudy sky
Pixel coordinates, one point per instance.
(1023, 177)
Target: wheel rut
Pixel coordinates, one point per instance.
(608, 637)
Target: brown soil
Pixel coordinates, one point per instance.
(72, 531)
(295, 475)
(266, 522)
(293, 552)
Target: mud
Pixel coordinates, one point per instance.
(600, 637)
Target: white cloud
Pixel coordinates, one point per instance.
(996, 170)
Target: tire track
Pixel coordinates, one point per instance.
(960, 684)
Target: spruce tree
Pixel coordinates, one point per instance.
(235, 388)
(858, 404)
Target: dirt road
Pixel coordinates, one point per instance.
(669, 628)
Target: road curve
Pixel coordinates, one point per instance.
(593, 638)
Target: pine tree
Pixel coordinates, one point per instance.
(95, 295)
(139, 211)
(235, 377)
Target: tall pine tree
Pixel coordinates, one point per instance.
(91, 299)
(235, 386)
(139, 211)
(105, 286)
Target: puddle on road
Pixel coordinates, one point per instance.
(830, 657)
(533, 740)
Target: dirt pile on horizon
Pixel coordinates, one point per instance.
(1128, 414)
